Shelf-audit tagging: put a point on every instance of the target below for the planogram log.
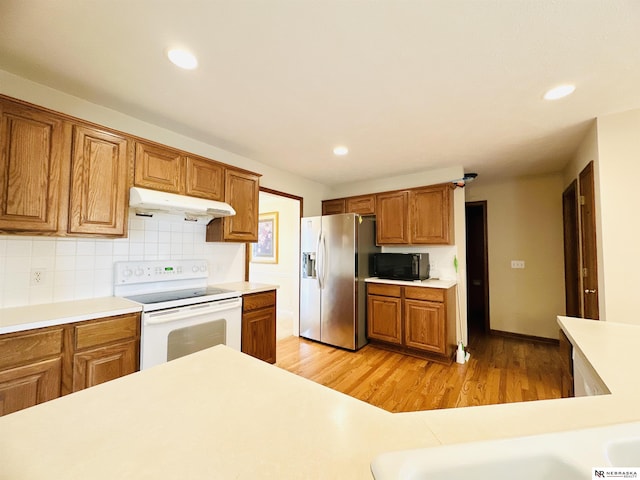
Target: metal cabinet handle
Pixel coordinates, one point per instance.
(589, 291)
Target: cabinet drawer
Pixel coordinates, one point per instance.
(425, 293)
(21, 348)
(384, 289)
(106, 331)
(255, 301)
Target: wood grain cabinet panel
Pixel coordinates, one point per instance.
(204, 178)
(31, 365)
(424, 325)
(100, 365)
(108, 330)
(99, 181)
(159, 168)
(33, 167)
(333, 207)
(241, 191)
(362, 205)
(28, 385)
(431, 214)
(392, 218)
(384, 319)
(259, 325)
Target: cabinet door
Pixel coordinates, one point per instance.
(384, 319)
(159, 168)
(98, 199)
(333, 207)
(28, 385)
(363, 205)
(204, 178)
(392, 222)
(33, 163)
(425, 325)
(432, 215)
(241, 192)
(100, 365)
(259, 334)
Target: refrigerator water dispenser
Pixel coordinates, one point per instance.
(309, 265)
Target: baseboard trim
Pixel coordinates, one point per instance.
(521, 336)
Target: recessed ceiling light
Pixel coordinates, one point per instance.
(559, 92)
(341, 150)
(182, 58)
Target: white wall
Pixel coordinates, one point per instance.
(619, 168)
(285, 273)
(524, 222)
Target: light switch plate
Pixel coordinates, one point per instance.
(517, 263)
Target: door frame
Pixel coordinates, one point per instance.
(485, 260)
(572, 261)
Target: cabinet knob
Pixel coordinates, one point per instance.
(589, 291)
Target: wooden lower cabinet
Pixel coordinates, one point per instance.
(385, 318)
(28, 385)
(100, 365)
(259, 325)
(42, 364)
(415, 320)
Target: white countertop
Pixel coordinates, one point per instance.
(18, 319)
(222, 414)
(430, 282)
(246, 288)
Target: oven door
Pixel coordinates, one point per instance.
(176, 332)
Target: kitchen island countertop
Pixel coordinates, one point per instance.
(221, 414)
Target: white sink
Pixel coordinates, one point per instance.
(555, 456)
(624, 452)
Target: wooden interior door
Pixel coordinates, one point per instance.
(571, 250)
(588, 231)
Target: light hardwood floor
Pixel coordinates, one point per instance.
(500, 370)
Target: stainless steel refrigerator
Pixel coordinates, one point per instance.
(335, 262)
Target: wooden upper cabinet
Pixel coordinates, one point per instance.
(392, 222)
(431, 214)
(241, 191)
(363, 205)
(33, 168)
(333, 207)
(159, 168)
(99, 181)
(204, 178)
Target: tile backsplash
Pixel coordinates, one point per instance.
(77, 268)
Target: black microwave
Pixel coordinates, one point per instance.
(400, 266)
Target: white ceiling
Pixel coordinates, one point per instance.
(406, 85)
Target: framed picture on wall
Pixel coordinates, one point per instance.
(266, 249)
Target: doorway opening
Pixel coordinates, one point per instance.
(477, 269)
(282, 268)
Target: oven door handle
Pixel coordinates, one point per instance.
(154, 318)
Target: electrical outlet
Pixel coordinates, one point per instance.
(517, 263)
(38, 276)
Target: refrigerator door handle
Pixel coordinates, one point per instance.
(319, 261)
(324, 260)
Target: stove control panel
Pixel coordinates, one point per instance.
(159, 271)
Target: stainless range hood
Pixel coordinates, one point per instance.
(147, 202)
